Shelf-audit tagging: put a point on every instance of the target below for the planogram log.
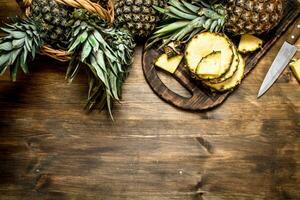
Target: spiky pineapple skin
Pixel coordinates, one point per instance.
(253, 16)
(55, 20)
(138, 16)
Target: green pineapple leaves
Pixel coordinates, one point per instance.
(106, 54)
(183, 20)
(21, 43)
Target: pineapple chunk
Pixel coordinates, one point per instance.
(168, 64)
(231, 83)
(203, 44)
(210, 65)
(295, 67)
(249, 43)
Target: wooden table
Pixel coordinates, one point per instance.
(51, 149)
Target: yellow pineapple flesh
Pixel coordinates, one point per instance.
(249, 43)
(295, 67)
(210, 65)
(168, 64)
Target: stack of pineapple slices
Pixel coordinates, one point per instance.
(214, 59)
(211, 58)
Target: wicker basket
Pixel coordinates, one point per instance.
(106, 14)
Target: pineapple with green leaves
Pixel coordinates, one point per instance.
(105, 51)
(21, 43)
(183, 19)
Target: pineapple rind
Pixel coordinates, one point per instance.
(295, 67)
(253, 16)
(138, 16)
(204, 44)
(55, 20)
(168, 64)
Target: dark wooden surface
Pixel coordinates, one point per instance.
(202, 98)
(246, 149)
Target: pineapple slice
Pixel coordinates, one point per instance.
(249, 43)
(204, 44)
(232, 70)
(210, 66)
(295, 67)
(231, 83)
(168, 64)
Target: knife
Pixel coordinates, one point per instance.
(285, 54)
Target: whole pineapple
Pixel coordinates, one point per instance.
(138, 16)
(184, 19)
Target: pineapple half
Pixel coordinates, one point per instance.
(249, 43)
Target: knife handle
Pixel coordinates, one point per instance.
(292, 39)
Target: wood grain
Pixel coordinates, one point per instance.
(201, 97)
(247, 149)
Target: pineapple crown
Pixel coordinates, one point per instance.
(21, 43)
(105, 52)
(216, 12)
(182, 20)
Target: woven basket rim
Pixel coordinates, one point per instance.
(106, 14)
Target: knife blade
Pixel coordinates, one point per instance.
(285, 54)
(282, 59)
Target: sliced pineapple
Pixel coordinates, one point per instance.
(295, 67)
(233, 81)
(249, 43)
(202, 45)
(168, 64)
(210, 65)
(232, 70)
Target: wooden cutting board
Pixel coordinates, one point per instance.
(201, 98)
